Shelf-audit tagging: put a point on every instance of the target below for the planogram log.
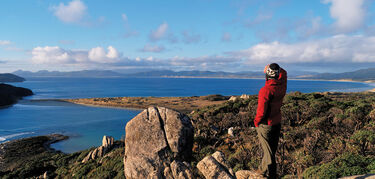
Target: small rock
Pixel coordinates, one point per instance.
(181, 170)
(230, 132)
(245, 96)
(247, 174)
(233, 98)
(45, 175)
(212, 169)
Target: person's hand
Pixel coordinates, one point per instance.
(266, 68)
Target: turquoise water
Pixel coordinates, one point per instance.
(87, 125)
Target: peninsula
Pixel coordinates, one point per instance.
(183, 104)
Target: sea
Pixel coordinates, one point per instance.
(41, 114)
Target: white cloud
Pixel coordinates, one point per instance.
(227, 37)
(5, 42)
(50, 55)
(151, 48)
(73, 12)
(58, 55)
(159, 33)
(349, 14)
(99, 55)
(337, 49)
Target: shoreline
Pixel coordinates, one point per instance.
(27, 148)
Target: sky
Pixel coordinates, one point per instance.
(214, 35)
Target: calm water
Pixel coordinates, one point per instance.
(87, 125)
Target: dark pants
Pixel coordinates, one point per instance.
(269, 139)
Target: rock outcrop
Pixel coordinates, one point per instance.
(215, 166)
(156, 142)
(235, 98)
(107, 144)
(245, 96)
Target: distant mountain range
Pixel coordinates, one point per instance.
(359, 75)
(7, 77)
(154, 73)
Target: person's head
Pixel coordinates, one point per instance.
(272, 71)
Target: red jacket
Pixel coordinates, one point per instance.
(270, 99)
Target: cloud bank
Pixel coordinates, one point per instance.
(339, 49)
(58, 55)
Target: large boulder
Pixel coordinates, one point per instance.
(215, 166)
(154, 139)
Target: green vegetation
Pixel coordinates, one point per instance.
(28, 158)
(324, 135)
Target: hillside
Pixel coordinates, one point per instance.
(8, 77)
(325, 135)
(359, 75)
(10, 94)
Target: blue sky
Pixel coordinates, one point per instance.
(220, 35)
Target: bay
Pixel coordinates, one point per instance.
(40, 114)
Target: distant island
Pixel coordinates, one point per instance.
(362, 75)
(8, 77)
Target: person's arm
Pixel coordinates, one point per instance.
(263, 100)
(283, 75)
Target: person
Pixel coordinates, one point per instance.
(268, 116)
